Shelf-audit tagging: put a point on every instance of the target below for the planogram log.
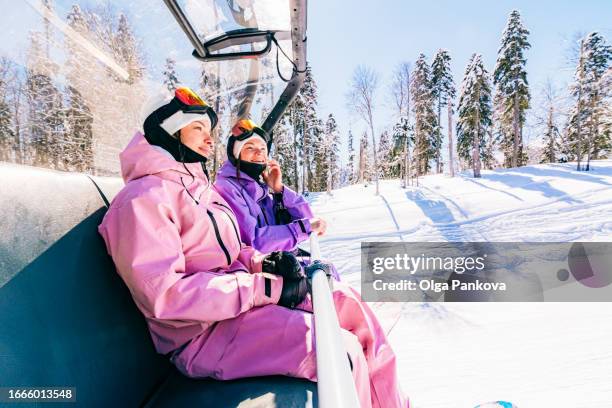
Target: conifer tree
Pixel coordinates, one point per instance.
(384, 153)
(350, 168)
(425, 122)
(474, 113)
(79, 155)
(586, 130)
(443, 88)
(169, 74)
(510, 78)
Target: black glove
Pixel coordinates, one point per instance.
(310, 269)
(294, 292)
(325, 267)
(284, 264)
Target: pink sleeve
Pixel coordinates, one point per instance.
(145, 245)
(251, 257)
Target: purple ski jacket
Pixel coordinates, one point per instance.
(253, 205)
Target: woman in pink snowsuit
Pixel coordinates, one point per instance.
(206, 301)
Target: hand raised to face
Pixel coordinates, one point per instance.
(273, 176)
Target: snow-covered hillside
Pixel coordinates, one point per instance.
(460, 354)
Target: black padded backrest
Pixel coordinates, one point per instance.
(66, 318)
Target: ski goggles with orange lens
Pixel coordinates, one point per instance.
(245, 128)
(189, 98)
(189, 102)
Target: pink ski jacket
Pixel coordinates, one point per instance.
(176, 244)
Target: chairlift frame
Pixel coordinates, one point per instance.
(202, 51)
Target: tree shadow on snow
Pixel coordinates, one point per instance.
(527, 183)
(440, 215)
(571, 174)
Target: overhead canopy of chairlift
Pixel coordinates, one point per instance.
(249, 29)
(250, 56)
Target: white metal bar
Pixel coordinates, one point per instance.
(335, 384)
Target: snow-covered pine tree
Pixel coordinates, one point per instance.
(45, 109)
(334, 156)
(7, 135)
(295, 116)
(488, 153)
(169, 75)
(210, 89)
(597, 57)
(443, 88)
(319, 162)
(400, 89)
(316, 139)
(572, 136)
(552, 148)
(12, 78)
(384, 153)
(510, 77)
(331, 149)
(500, 126)
(606, 122)
(350, 167)
(78, 154)
(128, 50)
(265, 89)
(107, 93)
(284, 150)
(403, 139)
(344, 177)
(425, 121)
(394, 158)
(312, 127)
(18, 108)
(576, 119)
(474, 111)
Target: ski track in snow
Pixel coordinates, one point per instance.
(463, 354)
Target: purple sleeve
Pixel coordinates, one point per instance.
(296, 205)
(281, 237)
(265, 238)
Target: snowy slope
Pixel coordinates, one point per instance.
(460, 355)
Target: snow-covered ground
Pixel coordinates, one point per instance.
(462, 354)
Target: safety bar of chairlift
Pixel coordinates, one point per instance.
(335, 385)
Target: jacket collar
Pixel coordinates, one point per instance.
(253, 188)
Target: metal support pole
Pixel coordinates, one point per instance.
(335, 384)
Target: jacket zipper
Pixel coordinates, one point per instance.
(218, 234)
(233, 224)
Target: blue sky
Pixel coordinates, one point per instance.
(344, 34)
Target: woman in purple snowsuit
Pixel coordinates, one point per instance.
(271, 216)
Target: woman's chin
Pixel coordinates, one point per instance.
(206, 152)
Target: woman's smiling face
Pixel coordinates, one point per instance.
(197, 137)
(254, 151)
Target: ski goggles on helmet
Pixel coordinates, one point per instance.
(245, 128)
(188, 101)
